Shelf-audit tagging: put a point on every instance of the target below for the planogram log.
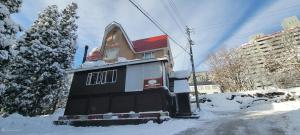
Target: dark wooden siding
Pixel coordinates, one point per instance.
(141, 101)
(79, 86)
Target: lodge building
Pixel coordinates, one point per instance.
(135, 83)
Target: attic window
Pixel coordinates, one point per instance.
(148, 55)
(111, 53)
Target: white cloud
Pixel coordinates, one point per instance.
(209, 18)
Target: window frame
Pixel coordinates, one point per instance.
(102, 77)
(89, 78)
(99, 79)
(150, 53)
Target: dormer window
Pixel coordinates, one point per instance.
(148, 55)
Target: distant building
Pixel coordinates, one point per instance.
(259, 46)
(204, 84)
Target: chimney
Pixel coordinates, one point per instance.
(85, 53)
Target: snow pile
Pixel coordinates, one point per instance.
(242, 100)
(93, 63)
(16, 124)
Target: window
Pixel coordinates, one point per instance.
(148, 55)
(111, 53)
(99, 78)
(103, 80)
(92, 78)
(111, 76)
(114, 36)
(102, 77)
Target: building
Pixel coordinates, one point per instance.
(204, 84)
(117, 44)
(139, 87)
(261, 48)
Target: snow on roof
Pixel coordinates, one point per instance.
(94, 55)
(181, 86)
(92, 65)
(180, 74)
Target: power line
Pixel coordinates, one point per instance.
(173, 6)
(173, 17)
(156, 24)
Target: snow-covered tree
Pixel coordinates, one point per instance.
(66, 52)
(38, 77)
(35, 73)
(8, 30)
(68, 30)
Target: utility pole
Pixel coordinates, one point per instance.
(188, 32)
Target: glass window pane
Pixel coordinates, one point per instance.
(115, 76)
(103, 80)
(99, 78)
(109, 76)
(94, 77)
(152, 70)
(88, 80)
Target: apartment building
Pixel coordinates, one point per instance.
(261, 48)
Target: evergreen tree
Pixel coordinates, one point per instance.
(68, 30)
(8, 30)
(38, 77)
(67, 48)
(34, 70)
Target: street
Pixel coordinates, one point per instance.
(245, 123)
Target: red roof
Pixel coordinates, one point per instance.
(141, 45)
(151, 43)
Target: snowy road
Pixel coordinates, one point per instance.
(246, 123)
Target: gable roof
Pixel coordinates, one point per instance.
(113, 25)
(151, 43)
(137, 46)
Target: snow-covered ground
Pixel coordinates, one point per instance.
(219, 115)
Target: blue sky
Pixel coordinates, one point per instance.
(216, 24)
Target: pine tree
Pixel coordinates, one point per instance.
(8, 30)
(34, 70)
(38, 71)
(68, 30)
(67, 48)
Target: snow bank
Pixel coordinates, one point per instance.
(235, 101)
(42, 125)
